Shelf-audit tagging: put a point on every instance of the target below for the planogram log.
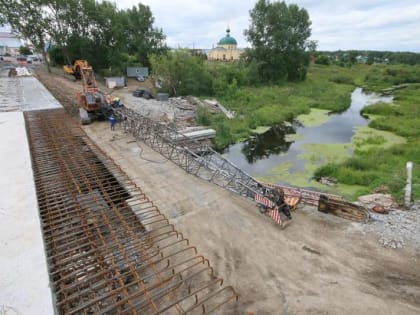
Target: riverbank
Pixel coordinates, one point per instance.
(326, 87)
(384, 165)
(319, 264)
(318, 138)
(377, 153)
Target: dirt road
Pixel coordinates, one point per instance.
(319, 264)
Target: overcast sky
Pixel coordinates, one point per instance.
(336, 24)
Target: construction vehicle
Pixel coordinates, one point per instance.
(93, 103)
(326, 203)
(277, 201)
(272, 202)
(75, 68)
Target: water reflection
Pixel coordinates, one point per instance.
(271, 142)
(258, 155)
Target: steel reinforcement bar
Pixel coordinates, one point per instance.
(109, 248)
(199, 158)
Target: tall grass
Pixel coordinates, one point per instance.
(387, 166)
(330, 87)
(269, 105)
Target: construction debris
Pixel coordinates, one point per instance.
(229, 114)
(398, 228)
(198, 133)
(374, 200)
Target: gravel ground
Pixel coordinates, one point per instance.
(178, 110)
(398, 228)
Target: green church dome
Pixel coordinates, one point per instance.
(227, 40)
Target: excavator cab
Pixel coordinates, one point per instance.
(75, 68)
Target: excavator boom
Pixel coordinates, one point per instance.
(92, 102)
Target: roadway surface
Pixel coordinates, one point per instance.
(24, 280)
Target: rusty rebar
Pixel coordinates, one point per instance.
(109, 248)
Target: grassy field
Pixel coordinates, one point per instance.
(380, 152)
(326, 87)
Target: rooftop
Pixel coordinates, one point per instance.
(227, 40)
(9, 40)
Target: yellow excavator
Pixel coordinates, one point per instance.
(75, 69)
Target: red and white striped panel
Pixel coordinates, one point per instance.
(263, 200)
(275, 215)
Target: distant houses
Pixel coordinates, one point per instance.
(349, 57)
(361, 59)
(9, 44)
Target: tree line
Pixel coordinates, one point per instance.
(111, 39)
(349, 57)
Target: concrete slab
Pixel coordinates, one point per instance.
(24, 281)
(25, 94)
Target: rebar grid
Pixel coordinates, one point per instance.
(109, 248)
(194, 157)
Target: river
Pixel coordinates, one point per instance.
(260, 154)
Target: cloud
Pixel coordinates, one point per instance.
(202, 23)
(336, 24)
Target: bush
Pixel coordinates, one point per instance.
(382, 109)
(342, 80)
(56, 56)
(358, 163)
(328, 170)
(203, 116)
(323, 60)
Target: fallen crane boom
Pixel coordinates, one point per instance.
(210, 165)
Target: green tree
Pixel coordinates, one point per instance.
(181, 73)
(24, 50)
(323, 60)
(137, 34)
(279, 36)
(86, 29)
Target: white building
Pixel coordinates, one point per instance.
(9, 44)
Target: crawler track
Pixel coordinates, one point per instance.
(109, 248)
